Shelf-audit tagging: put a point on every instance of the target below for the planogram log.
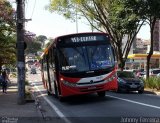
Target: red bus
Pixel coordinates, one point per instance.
(79, 63)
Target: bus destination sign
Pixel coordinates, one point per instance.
(78, 39)
(84, 39)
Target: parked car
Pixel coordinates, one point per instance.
(33, 71)
(158, 75)
(153, 72)
(128, 81)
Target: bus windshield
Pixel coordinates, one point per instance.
(86, 58)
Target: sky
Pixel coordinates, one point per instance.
(52, 25)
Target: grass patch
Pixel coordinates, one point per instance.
(152, 83)
(28, 93)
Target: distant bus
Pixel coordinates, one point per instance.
(79, 63)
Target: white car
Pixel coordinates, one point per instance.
(153, 72)
(158, 75)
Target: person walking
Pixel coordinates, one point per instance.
(0, 79)
(5, 80)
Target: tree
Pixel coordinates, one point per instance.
(41, 38)
(7, 51)
(7, 34)
(151, 8)
(33, 47)
(116, 17)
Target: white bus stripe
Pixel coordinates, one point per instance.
(148, 105)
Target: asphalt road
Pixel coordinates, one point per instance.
(114, 107)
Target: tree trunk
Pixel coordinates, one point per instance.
(152, 24)
(121, 63)
(148, 64)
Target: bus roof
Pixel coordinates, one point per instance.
(72, 34)
(67, 35)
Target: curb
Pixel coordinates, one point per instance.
(37, 102)
(150, 91)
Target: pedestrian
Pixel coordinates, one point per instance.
(138, 74)
(0, 79)
(5, 80)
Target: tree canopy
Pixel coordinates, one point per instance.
(41, 39)
(7, 34)
(34, 43)
(33, 47)
(119, 18)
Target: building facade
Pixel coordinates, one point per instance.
(156, 36)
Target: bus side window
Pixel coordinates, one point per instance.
(51, 59)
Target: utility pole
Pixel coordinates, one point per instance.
(20, 52)
(76, 19)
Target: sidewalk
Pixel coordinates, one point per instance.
(10, 111)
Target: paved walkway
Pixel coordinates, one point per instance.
(10, 111)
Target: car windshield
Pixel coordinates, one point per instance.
(125, 74)
(86, 58)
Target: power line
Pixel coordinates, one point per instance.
(33, 8)
(26, 7)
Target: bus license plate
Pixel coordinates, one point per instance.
(92, 87)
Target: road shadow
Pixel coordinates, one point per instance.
(85, 99)
(149, 92)
(135, 92)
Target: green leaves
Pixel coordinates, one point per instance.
(116, 17)
(33, 47)
(7, 34)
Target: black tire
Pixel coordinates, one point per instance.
(57, 95)
(141, 91)
(56, 91)
(118, 90)
(61, 99)
(48, 93)
(101, 93)
(127, 91)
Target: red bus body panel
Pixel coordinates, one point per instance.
(68, 91)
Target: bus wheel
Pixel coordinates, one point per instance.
(101, 93)
(61, 99)
(118, 90)
(48, 92)
(57, 95)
